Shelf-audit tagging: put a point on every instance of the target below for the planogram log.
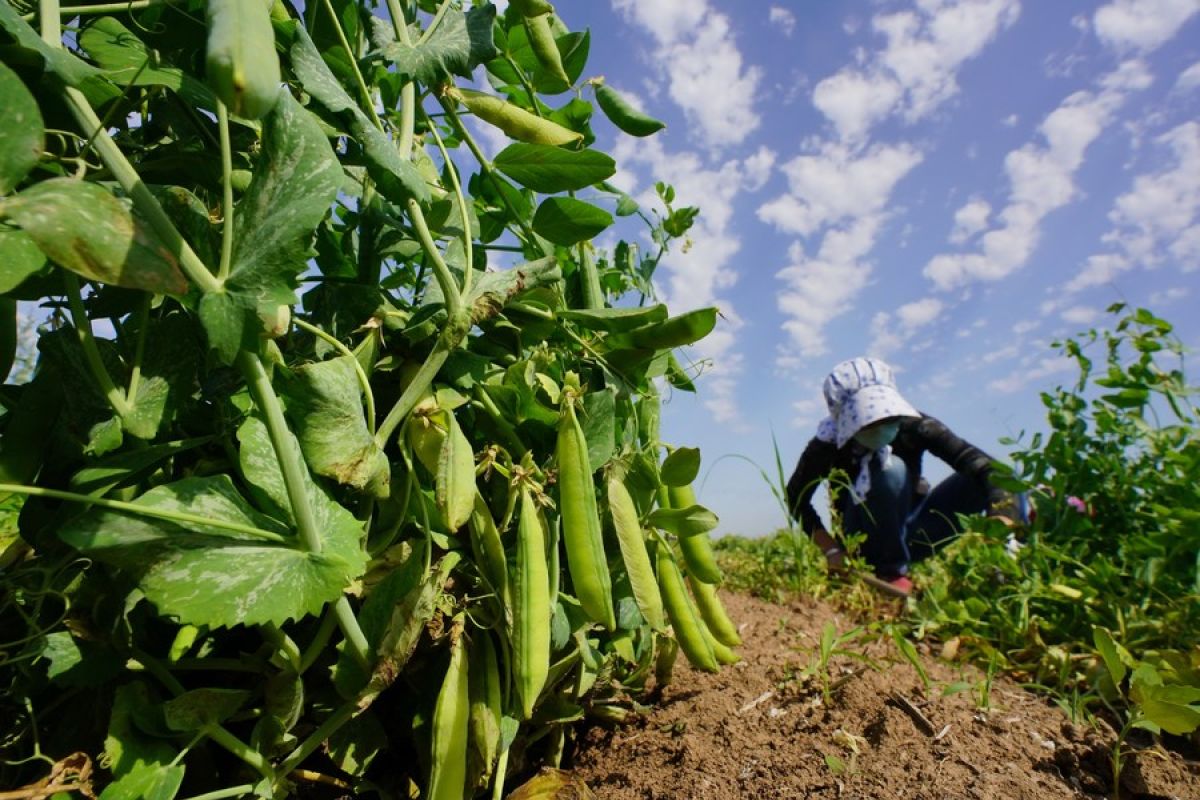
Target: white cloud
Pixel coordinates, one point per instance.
(1025, 326)
(1041, 179)
(1003, 354)
(916, 70)
(1081, 315)
(1010, 121)
(758, 168)
(1021, 378)
(890, 332)
(784, 19)
(1141, 25)
(836, 184)
(970, 220)
(1188, 79)
(1098, 270)
(698, 56)
(1171, 295)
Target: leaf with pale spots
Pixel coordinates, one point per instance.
(87, 230)
(22, 132)
(212, 575)
(459, 44)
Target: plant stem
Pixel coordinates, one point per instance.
(441, 271)
(83, 330)
(468, 240)
(356, 640)
(337, 719)
(242, 750)
(408, 92)
(317, 645)
(291, 462)
(227, 193)
(368, 101)
(416, 388)
(593, 295)
(181, 517)
(221, 794)
(433, 23)
(282, 642)
(139, 350)
(106, 8)
(363, 381)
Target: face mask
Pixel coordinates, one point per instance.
(878, 436)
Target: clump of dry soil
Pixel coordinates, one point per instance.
(762, 730)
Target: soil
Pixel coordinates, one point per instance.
(762, 729)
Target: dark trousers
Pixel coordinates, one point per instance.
(900, 531)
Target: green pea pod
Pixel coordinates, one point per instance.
(625, 116)
(451, 719)
(455, 489)
(532, 8)
(531, 608)
(516, 121)
(712, 611)
(676, 331)
(242, 65)
(488, 548)
(666, 649)
(545, 49)
(697, 550)
(689, 628)
(723, 654)
(485, 704)
(633, 551)
(581, 522)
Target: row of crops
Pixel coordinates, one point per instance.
(337, 465)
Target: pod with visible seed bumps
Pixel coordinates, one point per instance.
(451, 718)
(455, 488)
(622, 114)
(581, 521)
(518, 123)
(633, 551)
(689, 628)
(545, 49)
(532, 8)
(713, 613)
(531, 607)
(697, 549)
(242, 65)
(485, 704)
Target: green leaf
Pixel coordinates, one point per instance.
(493, 290)
(84, 228)
(1172, 708)
(1108, 651)
(460, 43)
(680, 467)
(127, 60)
(614, 320)
(127, 749)
(677, 377)
(203, 708)
(552, 169)
(295, 182)
(156, 782)
(567, 221)
(690, 521)
(22, 133)
(395, 176)
(598, 419)
(59, 62)
(356, 744)
(168, 375)
(20, 258)
(325, 404)
(76, 662)
(210, 575)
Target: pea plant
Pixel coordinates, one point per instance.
(340, 464)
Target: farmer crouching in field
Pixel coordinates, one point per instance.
(876, 438)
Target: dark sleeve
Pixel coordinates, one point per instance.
(962, 456)
(815, 463)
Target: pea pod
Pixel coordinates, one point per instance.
(712, 611)
(622, 114)
(633, 551)
(516, 121)
(581, 522)
(241, 62)
(531, 607)
(488, 548)
(697, 550)
(455, 490)
(545, 49)
(485, 704)
(532, 8)
(448, 774)
(688, 627)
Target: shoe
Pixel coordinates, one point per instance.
(899, 586)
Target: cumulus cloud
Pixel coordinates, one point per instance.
(837, 184)
(783, 19)
(916, 70)
(1172, 295)
(698, 56)
(1081, 315)
(970, 219)
(891, 331)
(1188, 79)
(1032, 373)
(1141, 25)
(704, 274)
(1041, 179)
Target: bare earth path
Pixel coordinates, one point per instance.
(761, 730)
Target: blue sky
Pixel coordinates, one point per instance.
(947, 184)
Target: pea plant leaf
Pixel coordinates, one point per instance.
(552, 169)
(83, 227)
(690, 521)
(201, 708)
(20, 258)
(397, 178)
(294, 183)
(213, 574)
(168, 375)
(128, 61)
(64, 65)
(460, 43)
(325, 404)
(21, 136)
(613, 320)
(567, 221)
